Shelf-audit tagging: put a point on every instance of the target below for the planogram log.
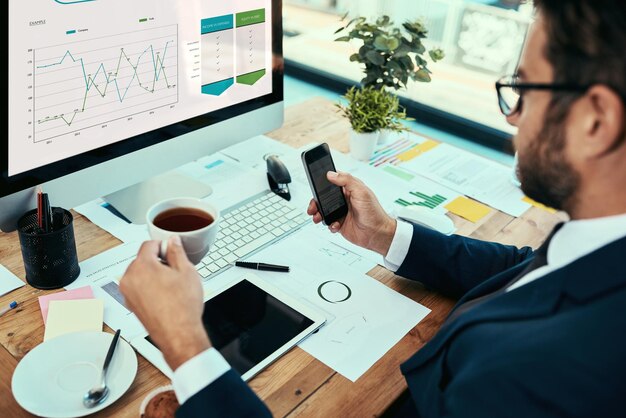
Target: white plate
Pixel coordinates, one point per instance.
(52, 378)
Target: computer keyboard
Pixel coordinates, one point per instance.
(248, 227)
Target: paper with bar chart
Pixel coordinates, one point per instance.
(83, 75)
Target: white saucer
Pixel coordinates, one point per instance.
(52, 378)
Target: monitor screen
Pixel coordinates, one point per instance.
(91, 80)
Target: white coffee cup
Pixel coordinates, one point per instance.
(196, 243)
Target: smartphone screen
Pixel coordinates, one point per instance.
(330, 199)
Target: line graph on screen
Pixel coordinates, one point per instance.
(94, 82)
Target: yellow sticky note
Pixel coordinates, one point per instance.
(467, 208)
(65, 316)
(417, 150)
(538, 205)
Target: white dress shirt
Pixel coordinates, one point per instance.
(574, 240)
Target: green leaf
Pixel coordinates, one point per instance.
(402, 51)
(343, 39)
(393, 43)
(421, 75)
(355, 57)
(386, 43)
(383, 21)
(381, 43)
(436, 54)
(406, 63)
(393, 65)
(344, 16)
(416, 28)
(338, 30)
(375, 58)
(364, 50)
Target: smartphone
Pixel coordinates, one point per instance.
(329, 198)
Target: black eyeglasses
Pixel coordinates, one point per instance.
(510, 91)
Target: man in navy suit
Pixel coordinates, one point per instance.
(535, 334)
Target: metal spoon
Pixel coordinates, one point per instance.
(98, 394)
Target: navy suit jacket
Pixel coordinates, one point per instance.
(555, 347)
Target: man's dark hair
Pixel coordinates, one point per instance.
(586, 41)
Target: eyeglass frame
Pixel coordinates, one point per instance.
(533, 86)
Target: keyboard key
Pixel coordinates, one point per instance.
(232, 247)
(236, 235)
(204, 272)
(223, 251)
(255, 235)
(230, 258)
(221, 263)
(253, 245)
(293, 214)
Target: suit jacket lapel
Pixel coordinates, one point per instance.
(585, 278)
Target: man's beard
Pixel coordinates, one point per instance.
(544, 172)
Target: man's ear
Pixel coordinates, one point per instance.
(604, 125)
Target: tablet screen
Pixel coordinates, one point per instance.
(246, 324)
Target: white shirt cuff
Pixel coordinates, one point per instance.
(197, 373)
(399, 246)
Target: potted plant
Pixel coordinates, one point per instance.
(369, 110)
(391, 55)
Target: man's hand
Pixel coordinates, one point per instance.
(168, 301)
(366, 224)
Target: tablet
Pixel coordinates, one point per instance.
(251, 323)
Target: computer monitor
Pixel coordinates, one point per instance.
(104, 94)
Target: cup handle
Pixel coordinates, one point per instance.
(163, 250)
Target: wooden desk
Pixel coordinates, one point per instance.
(297, 384)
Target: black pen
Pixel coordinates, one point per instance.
(262, 266)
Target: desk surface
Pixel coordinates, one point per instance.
(297, 384)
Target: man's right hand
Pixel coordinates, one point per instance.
(366, 224)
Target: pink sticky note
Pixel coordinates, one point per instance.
(80, 293)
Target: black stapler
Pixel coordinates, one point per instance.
(278, 176)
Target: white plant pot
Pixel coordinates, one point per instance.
(362, 145)
(384, 136)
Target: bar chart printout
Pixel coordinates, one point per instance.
(218, 44)
(421, 199)
(250, 46)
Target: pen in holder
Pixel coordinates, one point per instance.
(50, 258)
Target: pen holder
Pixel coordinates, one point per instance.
(50, 258)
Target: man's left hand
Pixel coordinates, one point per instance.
(168, 300)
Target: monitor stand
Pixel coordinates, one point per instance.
(134, 201)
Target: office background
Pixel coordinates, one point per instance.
(482, 40)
